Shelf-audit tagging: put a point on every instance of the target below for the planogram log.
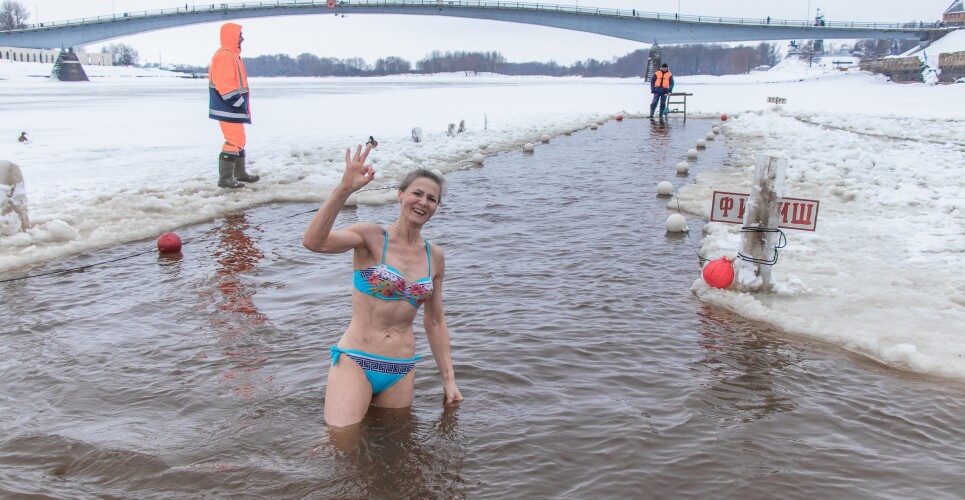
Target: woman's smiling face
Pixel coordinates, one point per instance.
(420, 200)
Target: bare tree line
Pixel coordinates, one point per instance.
(13, 15)
(684, 59)
(122, 54)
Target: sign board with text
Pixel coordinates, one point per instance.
(796, 213)
(777, 100)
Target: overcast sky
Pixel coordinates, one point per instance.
(412, 37)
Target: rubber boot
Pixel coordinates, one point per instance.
(653, 107)
(226, 169)
(240, 173)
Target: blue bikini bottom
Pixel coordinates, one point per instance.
(381, 371)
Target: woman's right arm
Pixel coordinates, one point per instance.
(319, 236)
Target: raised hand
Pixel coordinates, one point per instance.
(357, 173)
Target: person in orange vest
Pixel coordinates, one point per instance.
(660, 85)
(229, 103)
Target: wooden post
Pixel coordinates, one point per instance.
(758, 247)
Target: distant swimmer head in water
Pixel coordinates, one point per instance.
(23, 137)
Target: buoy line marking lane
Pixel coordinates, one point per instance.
(154, 250)
(694, 245)
(78, 268)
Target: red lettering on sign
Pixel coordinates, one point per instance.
(726, 205)
(799, 218)
(794, 213)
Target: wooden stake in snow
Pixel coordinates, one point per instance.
(759, 235)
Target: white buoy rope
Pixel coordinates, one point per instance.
(693, 244)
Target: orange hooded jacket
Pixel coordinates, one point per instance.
(227, 80)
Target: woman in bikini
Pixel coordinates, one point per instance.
(396, 272)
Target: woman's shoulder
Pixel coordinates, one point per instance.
(367, 229)
(368, 232)
(372, 236)
(436, 252)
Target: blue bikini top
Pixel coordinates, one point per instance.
(385, 282)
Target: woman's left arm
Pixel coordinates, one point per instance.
(437, 333)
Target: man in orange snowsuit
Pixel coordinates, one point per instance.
(228, 103)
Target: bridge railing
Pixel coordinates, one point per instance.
(477, 4)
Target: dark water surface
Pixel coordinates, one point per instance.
(589, 369)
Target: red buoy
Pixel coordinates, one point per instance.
(719, 273)
(169, 243)
(723, 118)
(619, 118)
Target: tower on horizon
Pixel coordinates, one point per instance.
(955, 14)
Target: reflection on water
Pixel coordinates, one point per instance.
(236, 254)
(660, 131)
(589, 369)
(741, 363)
(239, 325)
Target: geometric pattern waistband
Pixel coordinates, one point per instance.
(382, 366)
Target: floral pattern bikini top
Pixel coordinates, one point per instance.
(385, 282)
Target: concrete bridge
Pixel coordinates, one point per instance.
(645, 27)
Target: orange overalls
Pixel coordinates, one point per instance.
(228, 84)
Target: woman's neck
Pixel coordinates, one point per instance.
(408, 233)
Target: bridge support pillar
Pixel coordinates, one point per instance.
(68, 68)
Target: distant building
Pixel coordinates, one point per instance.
(955, 14)
(50, 56)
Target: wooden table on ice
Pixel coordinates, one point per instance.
(677, 98)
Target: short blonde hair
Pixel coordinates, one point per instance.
(428, 174)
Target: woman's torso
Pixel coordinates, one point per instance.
(383, 315)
